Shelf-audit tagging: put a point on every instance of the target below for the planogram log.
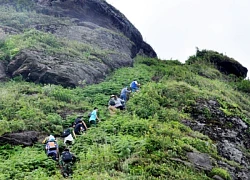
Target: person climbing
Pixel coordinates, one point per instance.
(94, 117)
(69, 135)
(49, 138)
(66, 162)
(78, 119)
(51, 147)
(134, 86)
(124, 93)
(111, 105)
(119, 103)
(80, 127)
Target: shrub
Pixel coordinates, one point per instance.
(221, 172)
(243, 85)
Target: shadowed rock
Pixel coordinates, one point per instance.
(27, 138)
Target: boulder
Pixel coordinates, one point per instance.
(26, 138)
(200, 160)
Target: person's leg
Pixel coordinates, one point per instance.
(123, 97)
(93, 123)
(112, 110)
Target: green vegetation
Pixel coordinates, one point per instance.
(147, 141)
(49, 44)
(22, 17)
(221, 172)
(140, 143)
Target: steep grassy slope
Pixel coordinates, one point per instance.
(145, 142)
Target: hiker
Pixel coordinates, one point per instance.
(49, 138)
(124, 93)
(78, 119)
(80, 127)
(66, 162)
(51, 147)
(134, 86)
(69, 135)
(119, 103)
(111, 105)
(94, 117)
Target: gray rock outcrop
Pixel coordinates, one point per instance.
(93, 23)
(230, 134)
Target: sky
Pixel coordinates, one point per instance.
(174, 28)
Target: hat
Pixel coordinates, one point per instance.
(112, 95)
(51, 138)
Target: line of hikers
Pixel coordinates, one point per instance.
(67, 159)
(119, 103)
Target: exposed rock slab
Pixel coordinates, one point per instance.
(40, 68)
(96, 24)
(26, 138)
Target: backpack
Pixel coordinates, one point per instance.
(67, 156)
(66, 132)
(111, 102)
(51, 145)
(89, 114)
(77, 121)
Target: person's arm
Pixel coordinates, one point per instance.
(45, 140)
(97, 117)
(74, 134)
(128, 91)
(85, 125)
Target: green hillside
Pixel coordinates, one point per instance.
(147, 141)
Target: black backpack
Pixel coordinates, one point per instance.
(77, 121)
(111, 102)
(66, 132)
(67, 156)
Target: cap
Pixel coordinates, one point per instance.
(51, 138)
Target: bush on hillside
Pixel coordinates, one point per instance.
(223, 63)
(243, 85)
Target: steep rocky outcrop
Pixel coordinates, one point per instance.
(231, 135)
(40, 68)
(92, 22)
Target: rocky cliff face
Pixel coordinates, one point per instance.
(94, 23)
(230, 133)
